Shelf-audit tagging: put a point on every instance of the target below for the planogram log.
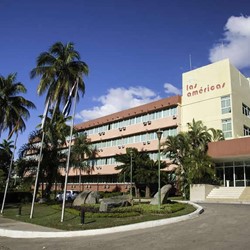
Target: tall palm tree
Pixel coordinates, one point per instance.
(14, 108)
(53, 157)
(59, 68)
(82, 154)
(6, 148)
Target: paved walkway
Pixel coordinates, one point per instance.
(220, 227)
(14, 225)
(16, 229)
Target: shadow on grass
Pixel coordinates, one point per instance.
(12, 205)
(71, 218)
(89, 222)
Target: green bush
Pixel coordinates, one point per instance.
(177, 207)
(112, 215)
(151, 209)
(109, 194)
(136, 209)
(92, 210)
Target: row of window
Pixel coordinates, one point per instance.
(94, 179)
(233, 163)
(226, 106)
(145, 137)
(227, 128)
(112, 161)
(134, 120)
(226, 123)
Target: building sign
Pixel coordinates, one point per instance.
(195, 89)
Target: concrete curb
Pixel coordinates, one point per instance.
(63, 234)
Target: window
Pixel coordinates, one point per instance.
(246, 130)
(245, 110)
(225, 104)
(151, 116)
(144, 118)
(138, 119)
(158, 114)
(137, 138)
(227, 128)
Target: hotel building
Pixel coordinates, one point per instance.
(132, 128)
(216, 94)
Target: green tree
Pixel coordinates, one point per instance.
(198, 135)
(217, 134)
(14, 108)
(147, 174)
(83, 155)
(189, 151)
(5, 160)
(53, 158)
(58, 69)
(144, 170)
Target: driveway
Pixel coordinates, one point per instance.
(220, 227)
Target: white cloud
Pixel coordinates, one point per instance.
(118, 99)
(236, 42)
(171, 89)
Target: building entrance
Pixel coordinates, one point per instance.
(234, 174)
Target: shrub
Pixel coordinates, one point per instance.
(112, 215)
(109, 194)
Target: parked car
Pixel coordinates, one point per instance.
(70, 195)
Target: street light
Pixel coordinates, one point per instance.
(159, 134)
(131, 174)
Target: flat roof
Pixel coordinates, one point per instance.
(232, 149)
(143, 109)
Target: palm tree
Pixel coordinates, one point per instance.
(177, 148)
(53, 157)
(5, 159)
(217, 134)
(61, 73)
(14, 108)
(146, 174)
(5, 154)
(144, 170)
(59, 68)
(189, 151)
(199, 135)
(82, 154)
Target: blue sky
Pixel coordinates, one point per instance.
(136, 50)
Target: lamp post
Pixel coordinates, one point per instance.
(159, 134)
(131, 174)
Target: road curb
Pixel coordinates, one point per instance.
(63, 234)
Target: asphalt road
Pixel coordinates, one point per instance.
(219, 227)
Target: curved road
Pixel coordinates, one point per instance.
(220, 227)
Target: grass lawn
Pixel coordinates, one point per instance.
(49, 215)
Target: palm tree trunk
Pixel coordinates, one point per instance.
(147, 192)
(137, 192)
(55, 187)
(80, 180)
